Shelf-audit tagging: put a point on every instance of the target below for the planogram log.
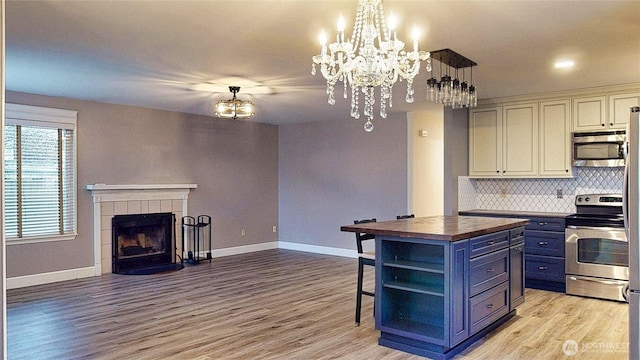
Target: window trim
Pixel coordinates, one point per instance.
(27, 115)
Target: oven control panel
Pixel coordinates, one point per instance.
(599, 199)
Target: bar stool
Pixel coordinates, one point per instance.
(410, 216)
(364, 258)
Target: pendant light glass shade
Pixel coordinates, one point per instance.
(452, 92)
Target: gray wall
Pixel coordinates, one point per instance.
(456, 155)
(234, 164)
(334, 172)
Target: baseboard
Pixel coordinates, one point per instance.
(51, 277)
(318, 249)
(236, 250)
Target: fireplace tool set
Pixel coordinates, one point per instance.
(196, 239)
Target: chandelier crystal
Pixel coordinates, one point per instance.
(372, 58)
(234, 108)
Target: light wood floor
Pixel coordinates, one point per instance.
(274, 304)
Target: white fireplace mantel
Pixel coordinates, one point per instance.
(109, 200)
(104, 192)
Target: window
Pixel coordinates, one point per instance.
(40, 173)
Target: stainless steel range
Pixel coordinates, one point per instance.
(597, 252)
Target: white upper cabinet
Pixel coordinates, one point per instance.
(485, 142)
(530, 136)
(590, 113)
(520, 139)
(619, 109)
(503, 141)
(554, 128)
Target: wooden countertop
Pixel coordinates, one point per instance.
(445, 228)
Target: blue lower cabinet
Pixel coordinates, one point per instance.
(516, 274)
(435, 298)
(545, 248)
(544, 268)
(488, 307)
(488, 271)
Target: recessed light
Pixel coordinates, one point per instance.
(564, 64)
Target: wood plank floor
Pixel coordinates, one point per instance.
(275, 304)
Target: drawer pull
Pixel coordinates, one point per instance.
(490, 242)
(543, 267)
(543, 243)
(489, 306)
(490, 270)
(542, 223)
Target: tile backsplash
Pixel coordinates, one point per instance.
(538, 195)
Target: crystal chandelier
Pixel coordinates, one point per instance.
(234, 108)
(449, 92)
(362, 63)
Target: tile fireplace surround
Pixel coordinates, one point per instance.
(110, 200)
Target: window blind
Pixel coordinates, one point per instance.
(40, 177)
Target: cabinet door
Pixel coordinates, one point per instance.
(516, 276)
(485, 142)
(544, 268)
(555, 138)
(619, 106)
(589, 113)
(546, 243)
(458, 320)
(520, 139)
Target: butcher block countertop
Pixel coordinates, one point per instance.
(445, 228)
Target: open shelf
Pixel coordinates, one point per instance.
(426, 332)
(416, 265)
(435, 290)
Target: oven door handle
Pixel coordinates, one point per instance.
(598, 280)
(596, 228)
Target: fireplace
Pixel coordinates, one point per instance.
(144, 243)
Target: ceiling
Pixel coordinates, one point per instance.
(183, 55)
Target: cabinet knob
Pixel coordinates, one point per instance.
(610, 124)
(602, 125)
(566, 170)
(497, 171)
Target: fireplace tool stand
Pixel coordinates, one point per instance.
(196, 239)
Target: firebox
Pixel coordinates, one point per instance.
(143, 243)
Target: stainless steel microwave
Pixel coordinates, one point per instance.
(602, 148)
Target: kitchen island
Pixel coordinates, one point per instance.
(443, 282)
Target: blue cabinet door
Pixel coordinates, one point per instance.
(458, 321)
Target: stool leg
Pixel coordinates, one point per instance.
(359, 291)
